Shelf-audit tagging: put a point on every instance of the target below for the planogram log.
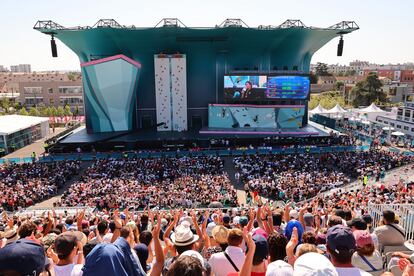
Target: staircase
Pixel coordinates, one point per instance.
(238, 185)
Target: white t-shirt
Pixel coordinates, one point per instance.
(351, 271)
(68, 270)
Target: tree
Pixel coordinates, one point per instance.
(60, 111)
(368, 91)
(68, 112)
(313, 78)
(23, 112)
(5, 104)
(53, 111)
(339, 85)
(73, 76)
(76, 111)
(46, 112)
(34, 112)
(321, 69)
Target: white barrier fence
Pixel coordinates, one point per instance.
(404, 211)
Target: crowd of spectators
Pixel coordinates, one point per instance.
(321, 237)
(22, 185)
(154, 182)
(302, 176)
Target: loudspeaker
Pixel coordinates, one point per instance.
(340, 47)
(53, 47)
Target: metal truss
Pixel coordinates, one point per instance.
(345, 26)
(48, 26)
(292, 23)
(107, 23)
(170, 22)
(233, 22)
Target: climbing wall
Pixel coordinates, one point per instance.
(163, 93)
(179, 93)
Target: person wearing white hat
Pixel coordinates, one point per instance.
(313, 264)
(279, 268)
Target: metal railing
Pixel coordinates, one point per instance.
(404, 211)
(217, 152)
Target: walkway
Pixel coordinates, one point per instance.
(231, 171)
(37, 147)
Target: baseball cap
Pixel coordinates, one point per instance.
(23, 256)
(358, 223)
(49, 240)
(210, 228)
(226, 219)
(314, 264)
(341, 240)
(236, 220)
(363, 238)
(262, 249)
(279, 268)
(220, 234)
(367, 218)
(243, 221)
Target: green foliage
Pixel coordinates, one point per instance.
(23, 112)
(68, 112)
(73, 76)
(327, 100)
(53, 111)
(5, 104)
(60, 112)
(339, 85)
(46, 112)
(367, 91)
(76, 111)
(34, 112)
(322, 69)
(313, 78)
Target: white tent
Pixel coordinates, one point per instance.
(397, 133)
(337, 109)
(318, 109)
(373, 108)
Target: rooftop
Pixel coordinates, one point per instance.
(13, 123)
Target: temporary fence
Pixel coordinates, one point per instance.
(217, 152)
(404, 211)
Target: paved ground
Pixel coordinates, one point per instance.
(37, 147)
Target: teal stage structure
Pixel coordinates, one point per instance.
(120, 83)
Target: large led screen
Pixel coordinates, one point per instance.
(250, 116)
(261, 87)
(287, 87)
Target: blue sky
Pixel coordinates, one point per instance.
(385, 36)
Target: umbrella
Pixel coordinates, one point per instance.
(398, 133)
(387, 128)
(215, 204)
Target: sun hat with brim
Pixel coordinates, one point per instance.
(409, 244)
(279, 268)
(220, 234)
(314, 264)
(10, 236)
(183, 236)
(80, 236)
